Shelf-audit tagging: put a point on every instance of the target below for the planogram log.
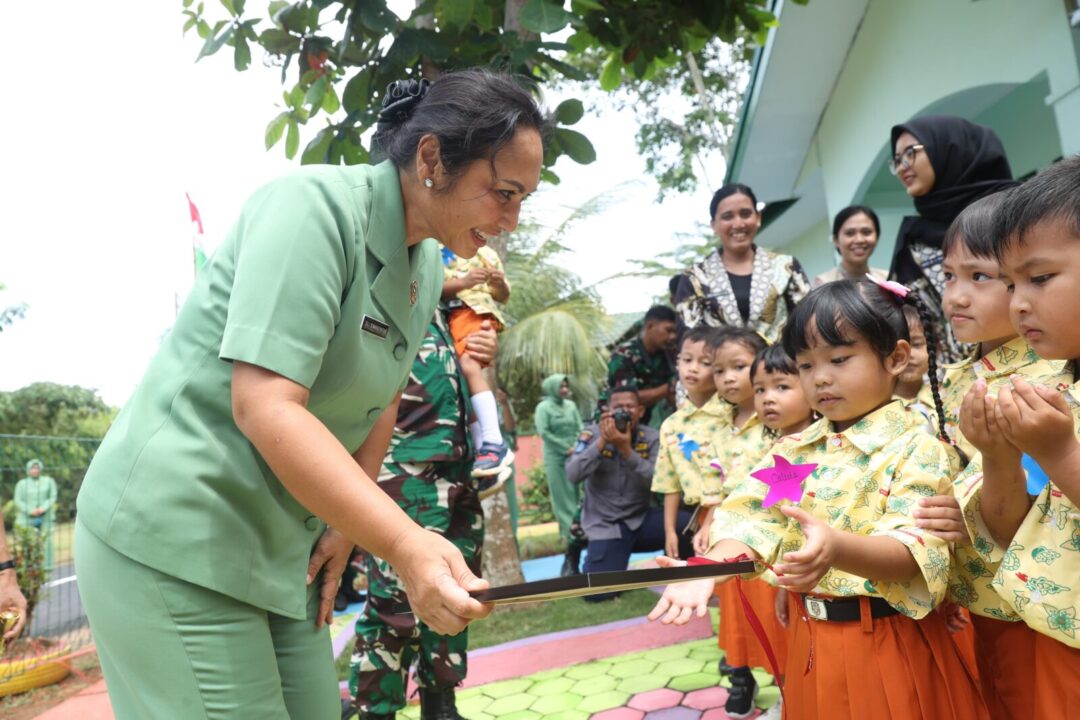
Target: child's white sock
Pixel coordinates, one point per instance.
(477, 434)
(488, 416)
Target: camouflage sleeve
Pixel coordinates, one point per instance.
(432, 416)
(620, 369)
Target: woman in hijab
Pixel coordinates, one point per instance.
(35, 504)
(558, 423)
(945, 163)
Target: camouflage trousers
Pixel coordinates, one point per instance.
(441, 498)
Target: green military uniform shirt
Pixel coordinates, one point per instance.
(315, 283)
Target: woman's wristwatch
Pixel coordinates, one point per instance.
(7, 565)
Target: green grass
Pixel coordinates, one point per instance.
(517, 622)
(535, 546)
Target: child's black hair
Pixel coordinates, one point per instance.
(703, 334)
(840, 308)
(742, 336)
(773, 359)
(1053, 194)
(974, 228)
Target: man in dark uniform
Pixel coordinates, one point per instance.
(645, 362)
(615, 459)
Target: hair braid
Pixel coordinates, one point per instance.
(932, 346)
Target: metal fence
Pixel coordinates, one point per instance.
(58, 629)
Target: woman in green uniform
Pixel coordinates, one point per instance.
(35, 505)
(219, 512)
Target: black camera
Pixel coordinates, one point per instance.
(622, 418)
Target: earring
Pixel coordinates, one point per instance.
(429, 183)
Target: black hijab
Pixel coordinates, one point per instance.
(969, 163)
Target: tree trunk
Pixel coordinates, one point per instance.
(501, 563)
(512, 19)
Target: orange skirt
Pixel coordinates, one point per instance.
(1056, 679)
(464, 321)
(892, 668)
(1005, 653)
(736, 638)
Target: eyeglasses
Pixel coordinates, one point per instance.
(904, 160)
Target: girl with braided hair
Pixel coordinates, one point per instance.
(829, 518)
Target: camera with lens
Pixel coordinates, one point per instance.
(622, 418)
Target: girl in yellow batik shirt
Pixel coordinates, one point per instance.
(862, 573)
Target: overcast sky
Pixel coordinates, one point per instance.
(109, 121)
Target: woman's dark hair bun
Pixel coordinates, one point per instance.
(401, 98)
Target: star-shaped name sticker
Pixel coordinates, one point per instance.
(784, 480)
(688, 446)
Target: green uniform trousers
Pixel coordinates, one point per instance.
(170, 649)
(565, 495)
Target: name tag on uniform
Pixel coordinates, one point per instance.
(375, 327)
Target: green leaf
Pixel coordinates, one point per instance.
(543, 16)
(376, 17)
(576, 145)
(579, 5)
(353, 153)
(569, 111)
(404, 51)
(227, 4)
(315, 152)
(314, 96)
(611, 74)
(357, 95)
(275, 7)
(187, 3)
(279, 42)
(456, 13)
(190, 23)
(213, 44)
(295, 97)
(330, 103)
(275, 128)
(548, 176)
(292, 139)
(242, 55)
(239, 5)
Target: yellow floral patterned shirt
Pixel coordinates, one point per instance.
(478, 298)
(686, 451)
(1038, 575)
(868, 481)
(1015, 357)
(738, 450)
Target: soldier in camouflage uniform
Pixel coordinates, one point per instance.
(644, 361)
(427, 471)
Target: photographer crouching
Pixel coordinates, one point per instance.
(615, 459)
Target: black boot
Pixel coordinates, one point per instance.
(438, 704)
(744, 690)
(349, 712)
(572, 563)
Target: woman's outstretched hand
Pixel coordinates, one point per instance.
(438, 581)
(682, 601)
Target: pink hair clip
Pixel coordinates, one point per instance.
(900, 291)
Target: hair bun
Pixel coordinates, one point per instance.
(402, 96)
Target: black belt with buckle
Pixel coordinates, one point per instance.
(845, 609)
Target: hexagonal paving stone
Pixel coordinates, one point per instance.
(763, 678)
(555, 686)
(603, 701)
(656, 700)
(472, 704)
(554, 704)
(706, 699)
(568, 715)
(411, 712)
(548, 674)
(594, 685)
(676, 713)
(510, 704)
(630, 668)
(588, 670)
(767, 696)
(706, 653)
(671, 652)
(506, 687)
(675, 668)
(694, 681)
(522, 715)
(623, 713)
(642, 683)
